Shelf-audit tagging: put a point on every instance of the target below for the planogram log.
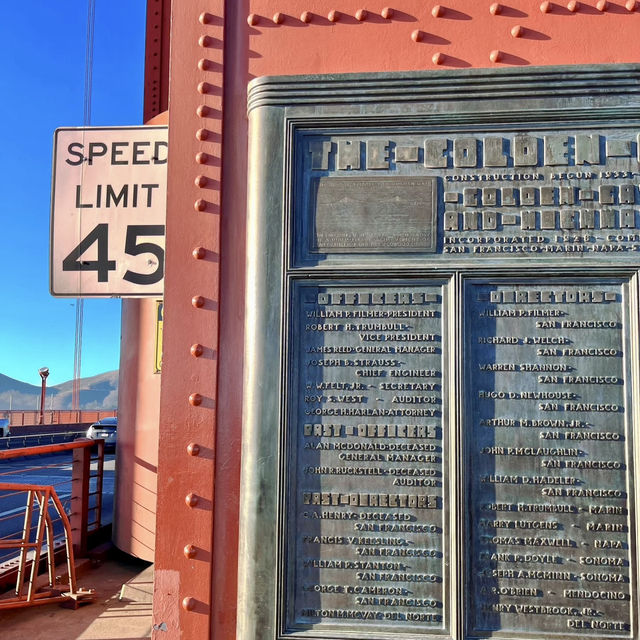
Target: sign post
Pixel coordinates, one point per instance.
(108, 209)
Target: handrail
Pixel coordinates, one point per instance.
(80, 443)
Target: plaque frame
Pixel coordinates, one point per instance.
(279, 109)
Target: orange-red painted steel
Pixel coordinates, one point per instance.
(138, 410)
(156, 77)
(182, 592)
(226, 44)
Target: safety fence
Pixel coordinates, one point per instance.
(53, 416)
(51, 499)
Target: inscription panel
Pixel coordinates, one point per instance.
(475, 195)
(367, 516)
(548, 444)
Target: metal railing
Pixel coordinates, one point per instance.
(39, 439)
(54, 416)
(48, 508)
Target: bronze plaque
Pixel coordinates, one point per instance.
(549, 494)
(374, 214)
(366, 525)
(441, 356)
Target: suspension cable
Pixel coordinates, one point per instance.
(88, 87)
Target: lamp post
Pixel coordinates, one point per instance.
(44, 372)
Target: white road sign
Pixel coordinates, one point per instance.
(108, 210)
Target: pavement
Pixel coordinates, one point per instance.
(122, 610)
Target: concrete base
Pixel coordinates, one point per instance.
(139, 589)
(122, 610)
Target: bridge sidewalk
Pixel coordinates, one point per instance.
(122, 610)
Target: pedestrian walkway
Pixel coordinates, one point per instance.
(122, 610)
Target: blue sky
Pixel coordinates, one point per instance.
(42, 48)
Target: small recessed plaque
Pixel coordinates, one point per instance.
(373, 215)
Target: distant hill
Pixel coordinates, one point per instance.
(96, 392)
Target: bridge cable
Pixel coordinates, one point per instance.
(88, 87)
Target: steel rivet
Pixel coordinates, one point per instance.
(333, 16)
(199, 253)
(573, 6)
(204, 87)
(306, 16)
(278, 17)
(204, 41)
(495, 56)
(602, 5)
(190, 551)
(416, 35)
(200, 204)
(387, 13)
(631, 5)
(545, 7)
(202, 134)
(516, 31)
(189, 604)
(252, 19)
(203, 111)
(202, 157)
(193, 449)
(361, 14)
(201, 181)
(438, 58)
(197, 301)
(203, 64)
(437, 11)
(197, 349)
(205, 18)
(495, 9)
(195, 399)
(191, 499)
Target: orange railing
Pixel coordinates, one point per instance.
(54, 416)
(46, 523)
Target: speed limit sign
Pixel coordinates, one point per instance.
(108, 210)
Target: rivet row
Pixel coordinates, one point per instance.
(190, 550)
(438, 11)
(361, 15)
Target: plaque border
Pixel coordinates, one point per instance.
(577, 96)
